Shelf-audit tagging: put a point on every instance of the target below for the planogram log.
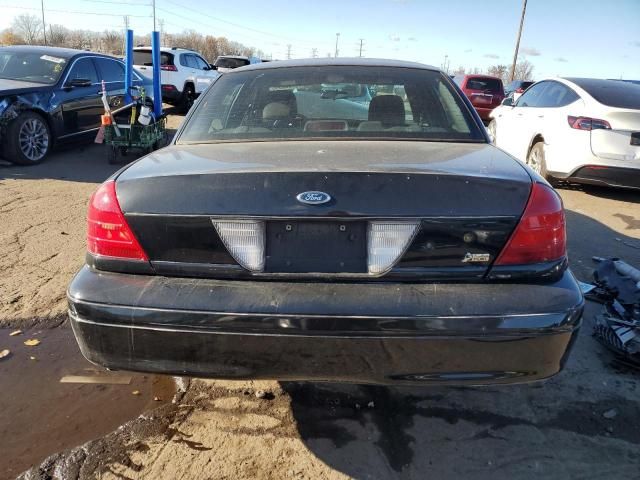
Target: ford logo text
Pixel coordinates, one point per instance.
(313, 198)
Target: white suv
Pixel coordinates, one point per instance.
(185, 74)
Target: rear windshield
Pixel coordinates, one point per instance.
(331, 102)
(484, 84)
(143, 57)
(613, 93)
(231, 62)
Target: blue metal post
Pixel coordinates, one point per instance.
(157, 92)
(128, 67)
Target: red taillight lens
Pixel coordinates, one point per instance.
(540, 236)
(108, 233)
(587, 123)
(169, 68)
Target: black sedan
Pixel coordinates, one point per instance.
(53, 95)
(294, 235)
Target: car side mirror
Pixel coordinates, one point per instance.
(212, 67)
(507, 102)
(78, 82)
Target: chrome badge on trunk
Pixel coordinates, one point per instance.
(313, 198)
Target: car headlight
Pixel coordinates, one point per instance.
(4, 104)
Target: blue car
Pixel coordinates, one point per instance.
(53, 95)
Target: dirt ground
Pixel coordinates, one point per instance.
(42, 239)
(584, 423)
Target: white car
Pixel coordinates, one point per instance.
(576, 129)
(226, 63)
(184, 73)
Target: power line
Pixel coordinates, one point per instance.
(243, 27)
(72, 11)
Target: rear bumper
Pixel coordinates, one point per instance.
(359, 333)
(608, 176)
(170, 93)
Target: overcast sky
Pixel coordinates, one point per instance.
(591, 38)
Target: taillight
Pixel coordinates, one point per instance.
(588, 123)
(108, 233)
(540, 236)
(169, 68)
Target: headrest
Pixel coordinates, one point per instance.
(387, 109)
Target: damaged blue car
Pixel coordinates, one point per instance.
(53, 95)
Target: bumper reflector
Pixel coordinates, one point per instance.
(245, 241)
(386, 242)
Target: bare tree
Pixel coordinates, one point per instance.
(111, 41)
(523, 70)
(500, 71)
(57, 35)
(29, 27)
(459, 71)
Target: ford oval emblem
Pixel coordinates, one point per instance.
(313, 198)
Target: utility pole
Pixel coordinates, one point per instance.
(361, 44)
(289, 51)
(161, 24)
(337, 38)
(153, 3)
(44, 25)
(314, 53)
(124, 37)
(515, 54)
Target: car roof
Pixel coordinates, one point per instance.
(164, 49)
(341, 61)
(480, 75)
(55, 51)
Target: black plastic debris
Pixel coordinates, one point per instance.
(617, 287)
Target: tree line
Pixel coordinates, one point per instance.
(27, 29)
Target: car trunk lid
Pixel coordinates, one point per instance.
(463, 201)
(622, 141)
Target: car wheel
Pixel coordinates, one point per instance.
(492, 130)
(537, 162)
(188, 97)
(28, 139)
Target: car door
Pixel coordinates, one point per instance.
(204, 73)
(516, 128)
(81, 105)
(557, 102)
(111, 71)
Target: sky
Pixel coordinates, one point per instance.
(589, 38)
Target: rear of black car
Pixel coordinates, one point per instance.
(298, 255)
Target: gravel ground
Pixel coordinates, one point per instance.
(584, 423)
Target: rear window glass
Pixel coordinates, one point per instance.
(491, 84)
(330, 102)
(231, 62)
(143, 57)
(613, 93)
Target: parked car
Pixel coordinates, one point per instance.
(390, 245)
(485, 92)
(52, 95)
(577, 129)
(226, 63)
(184, 73)
(517, 88)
